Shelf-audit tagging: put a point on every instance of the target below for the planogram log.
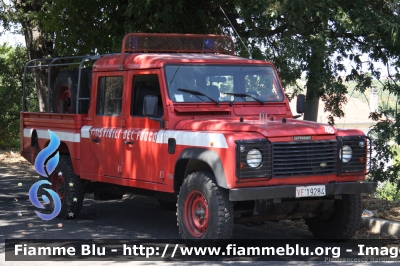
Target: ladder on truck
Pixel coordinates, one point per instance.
(56, 62)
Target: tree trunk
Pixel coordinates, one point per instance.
(32, 37)
(314, 81)
(311, 113)
(38, 45)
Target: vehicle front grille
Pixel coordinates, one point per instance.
(304, 158)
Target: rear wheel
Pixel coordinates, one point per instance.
(341, 223)
(204, 210)
(69, 188)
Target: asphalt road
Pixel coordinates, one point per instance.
(130, 218)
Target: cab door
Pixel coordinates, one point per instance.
(143, 151)
(105, 135)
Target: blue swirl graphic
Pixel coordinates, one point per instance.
(35, 201)
(46, 170)
(45, 153)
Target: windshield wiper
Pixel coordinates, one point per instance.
(243, 95)
(197, 93)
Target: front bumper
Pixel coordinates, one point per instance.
(280, 192)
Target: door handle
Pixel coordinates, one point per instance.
(129, 142)
(97, 140)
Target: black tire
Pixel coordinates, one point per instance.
(342, 223)
(69, 188)
(204, 210)
(167, 205)
(66, 88)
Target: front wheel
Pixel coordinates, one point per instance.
(204, 209)
(341, 223)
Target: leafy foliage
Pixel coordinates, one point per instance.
(385, 162)
(318, 37)
(12, 60)
(311, 36)
(98, 26)
(389, 191)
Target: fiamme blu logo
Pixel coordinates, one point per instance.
(45, 164)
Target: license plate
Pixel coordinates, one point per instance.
(310, 191)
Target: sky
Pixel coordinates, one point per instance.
(10, 38)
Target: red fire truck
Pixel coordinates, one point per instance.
(180, 118)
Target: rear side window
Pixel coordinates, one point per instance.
(109, 96)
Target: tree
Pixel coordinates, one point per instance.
(58, 28)
(311, 36)
(98, 27)
(39, 43)
(12, 60)
(315, 36)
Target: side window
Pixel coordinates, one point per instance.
(109, 96)
(145, 85)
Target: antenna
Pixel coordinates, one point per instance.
(236, 32)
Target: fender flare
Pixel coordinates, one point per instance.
(209, 157)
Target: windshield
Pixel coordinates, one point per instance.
(222, 83)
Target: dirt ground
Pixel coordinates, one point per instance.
(389, 210)
(381, 208)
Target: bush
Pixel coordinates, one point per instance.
(12, 60)
(388, 191)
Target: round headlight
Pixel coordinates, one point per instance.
(347, 154)
(254, 158)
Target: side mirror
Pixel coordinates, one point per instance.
(301, 104)
(150, 103)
